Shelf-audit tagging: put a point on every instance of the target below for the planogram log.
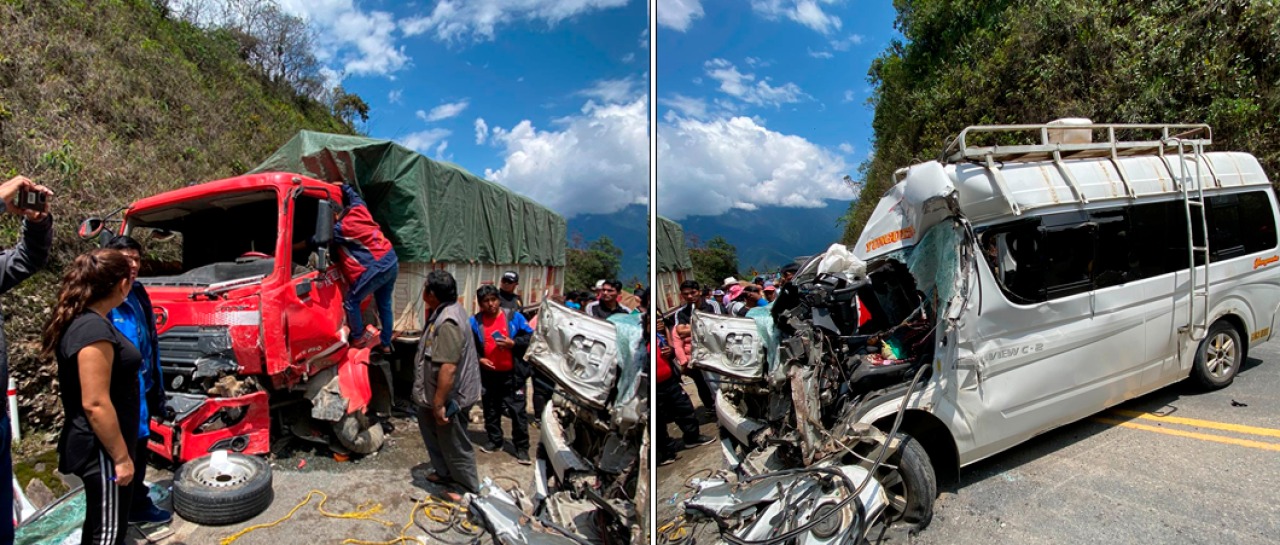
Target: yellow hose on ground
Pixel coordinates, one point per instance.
(437, 510)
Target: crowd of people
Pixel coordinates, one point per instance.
(102, 334)
(672, 362)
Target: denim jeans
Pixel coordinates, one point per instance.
(382, 287)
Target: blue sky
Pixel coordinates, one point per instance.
(763, 102)
(548, 97)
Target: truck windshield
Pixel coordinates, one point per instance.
(217, 239)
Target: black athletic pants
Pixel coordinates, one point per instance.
(504, 395)
(106, 516)
(673, 406)
(541, 392)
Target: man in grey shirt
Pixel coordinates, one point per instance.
(446, 384)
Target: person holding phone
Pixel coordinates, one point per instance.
(16, 264)
(504, 336)
(446, 384)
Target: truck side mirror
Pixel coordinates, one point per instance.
(90, 228)
(324, 232)
(324, 222)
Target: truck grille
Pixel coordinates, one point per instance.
(182, 346)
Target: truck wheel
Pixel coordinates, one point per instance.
(357, 435)
(215, 496)
(910, 484)
(1218, 358)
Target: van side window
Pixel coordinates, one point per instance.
(1239, 225)
(1059, 255)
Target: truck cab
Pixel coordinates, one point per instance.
(249, 314)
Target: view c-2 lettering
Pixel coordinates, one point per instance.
(1010, 351)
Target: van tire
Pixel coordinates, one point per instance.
(912, 487)
(1218, 357)
(206, 495)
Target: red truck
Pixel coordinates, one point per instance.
(247, 325)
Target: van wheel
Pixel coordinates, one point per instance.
(357, 435)
(910, 484)
(1218, 358)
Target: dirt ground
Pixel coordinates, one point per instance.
(385, 487)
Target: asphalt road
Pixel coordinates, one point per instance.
(1176, 466)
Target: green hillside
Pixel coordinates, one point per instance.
(108, 101)
(969, 62)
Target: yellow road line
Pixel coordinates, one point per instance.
(1209, 424)
(1191, 434)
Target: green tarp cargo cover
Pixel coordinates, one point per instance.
(672, 253)
(432, 211)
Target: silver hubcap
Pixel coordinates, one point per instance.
(228, 474)
(1220, 355)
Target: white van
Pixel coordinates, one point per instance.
(1047, 281)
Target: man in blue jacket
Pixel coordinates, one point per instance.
(502, 336)
(136, 320)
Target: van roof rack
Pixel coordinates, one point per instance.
(1171, 136)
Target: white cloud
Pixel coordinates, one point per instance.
(440, 149)
(455, 20)
(844, 44)
(444, 111)
(421, 114)
(626, 59)
(596, 161)
(805, 12)
(361, 42)
(694, 108)
(708, 167)
(348, 39)
(744, 87)
(611, 90)
(820, 54)
(678, 14)
(845, 148)
(395, 95)
(422, 141)
(848, 95)
(482, 131)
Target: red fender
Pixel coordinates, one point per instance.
(353, 379)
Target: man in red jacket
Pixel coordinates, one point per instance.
(368, 264)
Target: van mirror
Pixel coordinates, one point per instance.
(162, 235)
(324, 222)
(90, 228)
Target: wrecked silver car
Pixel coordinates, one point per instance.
(588, 483)
(795, 383)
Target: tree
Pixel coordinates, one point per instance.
(584, 266)
(963, 63)
(348, 106)
(713, 262)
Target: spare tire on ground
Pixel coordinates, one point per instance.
(223, 492)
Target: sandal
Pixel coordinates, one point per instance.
(437, 479)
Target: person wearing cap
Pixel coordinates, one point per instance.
(744, 298)
(507, 296)
(596, 290)
(502, 336)
(770, 293)
(678, 322)
(608, 303)
(728, 285)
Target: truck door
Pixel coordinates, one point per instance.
(314, 316)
